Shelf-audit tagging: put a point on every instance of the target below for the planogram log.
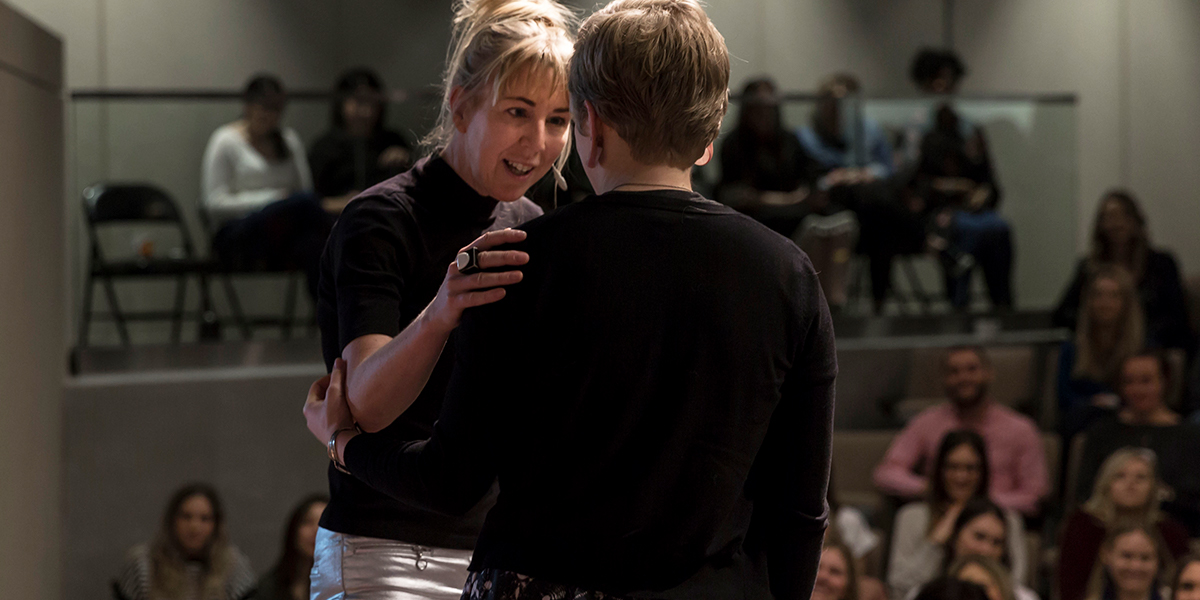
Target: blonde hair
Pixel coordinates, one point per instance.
(495, 41)
(994, 569)
(657, 71)
(168, 566)
(1104, 365)
(1100, 578)
(1101, 505)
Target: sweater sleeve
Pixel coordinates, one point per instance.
(790, 474)
(220, 198)
(452, 470)
(895, 474)
(914, 558)
(304, 180)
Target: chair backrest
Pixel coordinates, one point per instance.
(108, 203)
(132, 203)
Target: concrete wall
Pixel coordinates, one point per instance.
(130, 441)
(32, 301)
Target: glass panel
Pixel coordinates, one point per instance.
(1034, 155)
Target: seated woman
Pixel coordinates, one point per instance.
(1133, 565)
(766, 173)
(257, 190)
(1127, 491)
(190, 557)
(989, 574)
(951, 588)
(1145, 421)
(289, 578)
(1120, 237)
(1111, 330)
(925, 533)
(1187, 579)
(837, 575)
(961, 198)
(358, 151)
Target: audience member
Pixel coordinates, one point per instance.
(923, 531)
(289, 578)
(761, 162)
(1015, 456)
(190, 557)
(959, 193)
(837, 574)
(958, 183)
(1187, 579)
(1111, 330)
(854, 165)
(358, 151)
(1121, 237)
(1127, 491)
(1145, 421)
(951, 588)
(989, 574)
(1133, 565)
(257, 190)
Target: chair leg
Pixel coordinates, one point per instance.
(289, 306)
(235, 305)
(115, 309)
(914, 284)
(85, 320)
(177, 314)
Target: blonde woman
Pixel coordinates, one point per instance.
(503, 125)
(837, 574)
(1127, 491)
(1133, 565)
(1111, 328)
(986, 572)
(190, 558)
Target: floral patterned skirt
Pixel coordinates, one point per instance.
(495, 584)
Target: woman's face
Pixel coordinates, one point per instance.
(263, 115)
(961, 472)
(1142, 384)
(361, 111)
(195, 523)
(832, 576)
(983, 535)
(1107, 303)
(306, 534)
(1132, 562)
(1116, 224)
(510, 145)
(976, 574)
(1131, 487)
(1189, 582)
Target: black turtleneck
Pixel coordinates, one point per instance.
(385, 259)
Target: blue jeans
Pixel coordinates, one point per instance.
(988, 239)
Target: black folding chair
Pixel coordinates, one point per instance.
(139, 204)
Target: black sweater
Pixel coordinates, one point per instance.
(675, 439)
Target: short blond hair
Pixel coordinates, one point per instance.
(657, 71)
(496, 41)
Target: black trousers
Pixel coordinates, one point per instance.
(286, 234)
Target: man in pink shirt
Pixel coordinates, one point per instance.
(1016, 457)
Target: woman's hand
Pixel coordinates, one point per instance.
(326, 409)
(460, 292)
(945, 527)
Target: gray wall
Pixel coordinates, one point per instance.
(131, 440)
(32, 302)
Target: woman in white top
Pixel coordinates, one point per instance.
(258, 189)
(924, 531)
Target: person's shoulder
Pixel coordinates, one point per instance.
(226, 136)
(291, 136)
(931, 416)
(918, 511)
(1014, 418)
(1162, 260)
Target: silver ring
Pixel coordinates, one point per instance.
(468, 261)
